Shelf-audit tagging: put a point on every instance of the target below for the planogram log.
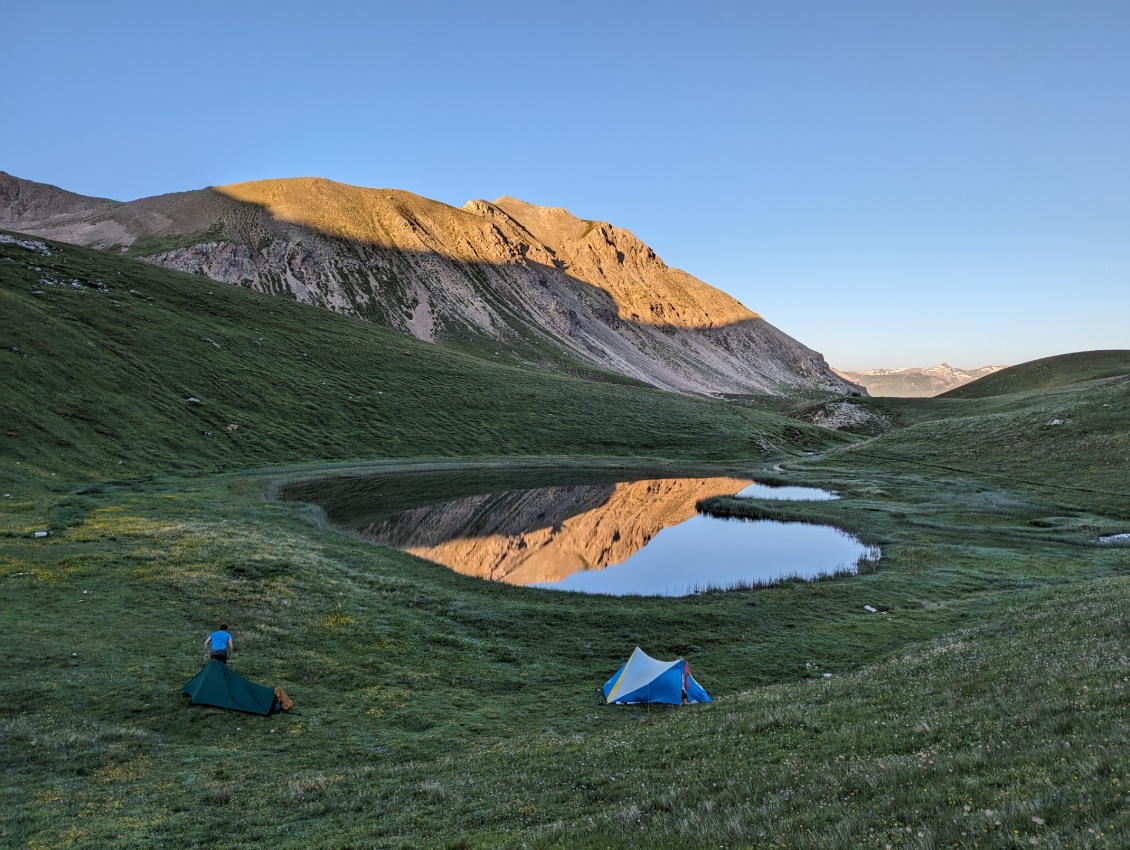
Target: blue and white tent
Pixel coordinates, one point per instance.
(647, 679)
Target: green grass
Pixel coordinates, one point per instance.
(986, 707)
(1070, 441)
(149, 244)
(99, 384)
(1048, 373)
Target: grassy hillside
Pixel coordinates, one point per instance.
(1069, 441)
(1048, 373)
(983, 706)
(114, 369)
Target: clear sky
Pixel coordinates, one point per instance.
(893, 183)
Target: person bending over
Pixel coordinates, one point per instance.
(219, 644)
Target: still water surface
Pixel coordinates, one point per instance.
(708, 552)
(619, 537)
(794, 494)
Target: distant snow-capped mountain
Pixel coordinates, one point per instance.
(915, 382)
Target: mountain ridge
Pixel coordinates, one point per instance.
(536, 281)
(916, 382)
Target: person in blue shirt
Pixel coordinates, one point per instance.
(219, 644)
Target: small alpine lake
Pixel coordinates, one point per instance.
(587, 531)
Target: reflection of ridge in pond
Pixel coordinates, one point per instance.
(569, 536)
(708, 552)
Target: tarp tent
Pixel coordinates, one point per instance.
(217, 685)
(646, 679)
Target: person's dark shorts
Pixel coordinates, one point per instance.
(221, 655)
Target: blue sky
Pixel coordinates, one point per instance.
(893, 183)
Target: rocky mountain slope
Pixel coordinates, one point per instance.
(916, 382)
(534, 282)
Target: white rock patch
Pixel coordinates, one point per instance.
(845, 414)
(30, 244)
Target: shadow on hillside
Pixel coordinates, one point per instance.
(536, 304)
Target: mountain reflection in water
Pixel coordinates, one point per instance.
(542, 536)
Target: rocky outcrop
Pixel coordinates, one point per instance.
(537, 281)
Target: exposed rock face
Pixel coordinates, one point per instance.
(531, 279)
(915, 382)
(848, 416)
(535, 536)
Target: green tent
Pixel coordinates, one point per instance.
(217, 685)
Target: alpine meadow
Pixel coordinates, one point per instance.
(968, 689)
